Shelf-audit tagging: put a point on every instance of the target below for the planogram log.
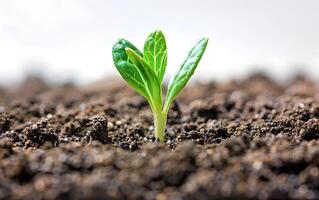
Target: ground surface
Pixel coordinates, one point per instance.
(250, 139)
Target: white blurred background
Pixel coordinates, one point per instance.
(65, 40)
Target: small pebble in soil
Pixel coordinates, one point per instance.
(110, 126)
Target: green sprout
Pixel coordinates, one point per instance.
(145, 72)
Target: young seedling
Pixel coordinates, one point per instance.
(145, 72)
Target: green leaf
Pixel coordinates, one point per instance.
(148, 77)
(127, 69)
(155, 53)
(185, 72)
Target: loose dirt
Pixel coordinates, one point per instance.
(247, 139)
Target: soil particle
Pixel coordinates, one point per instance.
(86, 129)
(310, 130)
(40, 133)
(97, 129)
(175, 114)
(207, 110)
(4, 123)
(5, 147)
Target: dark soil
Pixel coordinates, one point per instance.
(249, 139)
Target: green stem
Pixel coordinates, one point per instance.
(160, 123)
(166, 107)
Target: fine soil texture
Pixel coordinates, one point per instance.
(243, 139)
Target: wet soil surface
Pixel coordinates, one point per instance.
(248, 139)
